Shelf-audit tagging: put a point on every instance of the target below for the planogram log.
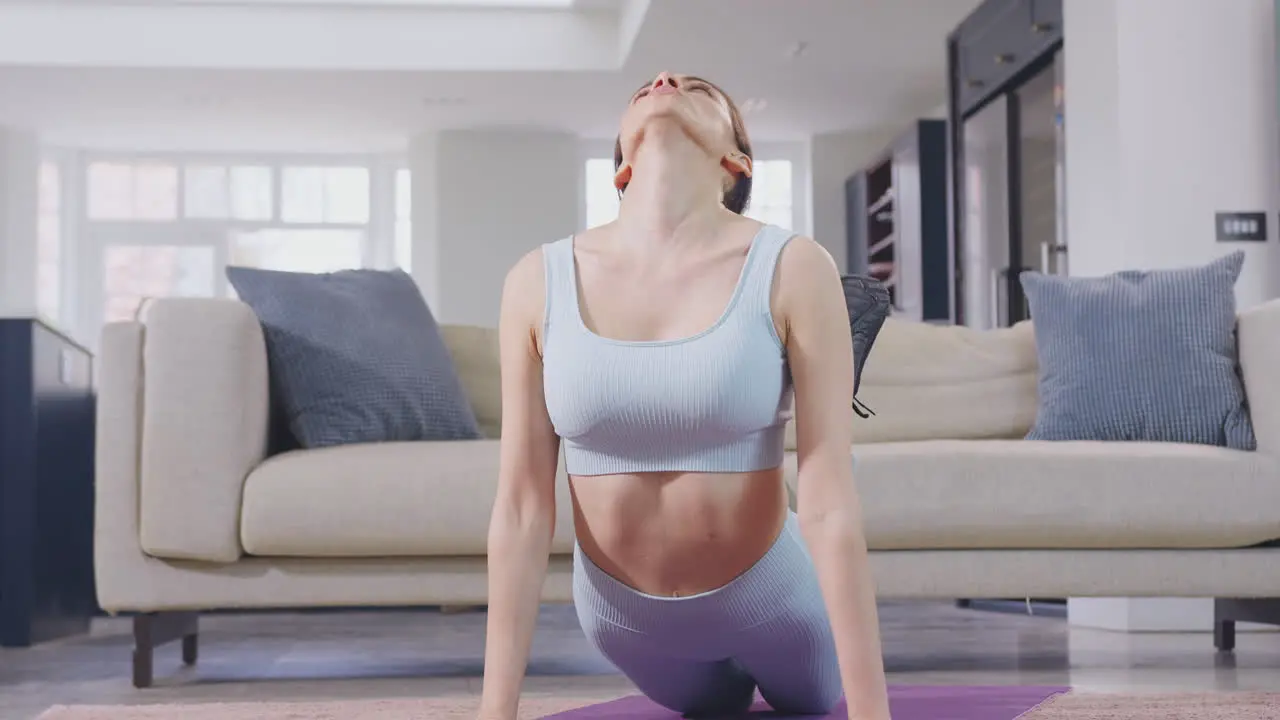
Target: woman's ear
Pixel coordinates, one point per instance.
(736, 163)
(622, 177)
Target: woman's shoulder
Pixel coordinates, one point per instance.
(805, 278)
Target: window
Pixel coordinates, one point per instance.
(771, 193)
(49, 243)
(309, 251)
(218, 192)
(602, 196)
(145, 191)
(133, 273)
(201, 214)
(325, 195)
(404, 220)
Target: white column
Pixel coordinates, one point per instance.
(481, 200)
(19, 213)
(1171, 116)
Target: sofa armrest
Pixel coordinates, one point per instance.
(204, 425)
(1258, 337)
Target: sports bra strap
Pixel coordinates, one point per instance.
(561, 303)
(762, 266)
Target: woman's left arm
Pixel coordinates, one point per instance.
(808, 296)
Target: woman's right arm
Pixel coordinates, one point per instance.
(523, 519)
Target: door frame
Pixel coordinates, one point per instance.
(959, 110)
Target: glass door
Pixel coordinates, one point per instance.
(1040, 187)
(1011, 196)
(986, 214)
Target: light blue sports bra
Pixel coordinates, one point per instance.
(718, 401)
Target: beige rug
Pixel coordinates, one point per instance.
(1073, 706)
(1207, 706)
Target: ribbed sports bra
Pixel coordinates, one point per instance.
(717, 401)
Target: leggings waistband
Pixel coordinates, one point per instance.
(782, 577)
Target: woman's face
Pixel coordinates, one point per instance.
(701, 110)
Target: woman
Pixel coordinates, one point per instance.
(664, 350)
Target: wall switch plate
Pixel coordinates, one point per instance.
(1238, 226)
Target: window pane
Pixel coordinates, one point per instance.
(313, 251)
(49, 243)
(404, 245)
(204, 192)
(135, 273)
(771, 198)
(346, 195)
(404, 194)
(50, 187)
(110, 191)
(302, 195)
(155, 192)
(252, 193)
(771, 182)
(602, 196)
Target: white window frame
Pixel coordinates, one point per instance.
(83, 247)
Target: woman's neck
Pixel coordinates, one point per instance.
(674, 192)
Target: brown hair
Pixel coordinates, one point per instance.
(736, 197)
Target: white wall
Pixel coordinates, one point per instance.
(19, 198)
(489, 197)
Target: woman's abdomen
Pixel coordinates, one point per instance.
(676, 534)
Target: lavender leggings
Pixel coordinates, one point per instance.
(706, 654)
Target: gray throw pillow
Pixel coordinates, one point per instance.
(1140, 356)
(868, 303)
(355, 357)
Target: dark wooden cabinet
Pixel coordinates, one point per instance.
(46, 484)
(896, 218)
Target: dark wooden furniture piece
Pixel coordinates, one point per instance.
(896, 220)
(46, 484)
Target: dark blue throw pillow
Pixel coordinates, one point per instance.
(355, 357)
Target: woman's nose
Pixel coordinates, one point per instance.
(664, 78)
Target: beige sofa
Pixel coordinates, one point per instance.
(191, 514)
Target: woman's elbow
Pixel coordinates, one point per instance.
(524, 506)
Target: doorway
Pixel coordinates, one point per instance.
(1006, 112)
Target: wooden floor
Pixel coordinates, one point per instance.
(424, 653)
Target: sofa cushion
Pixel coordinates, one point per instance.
(355, 356)
(928, 382)
(420, 499)
(475, 355)
(1025, 494)
(1140, 355)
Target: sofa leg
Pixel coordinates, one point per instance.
(190, 649)
(151, 630)
(460, 609)
(1224, 635)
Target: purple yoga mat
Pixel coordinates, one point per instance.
(908, 702)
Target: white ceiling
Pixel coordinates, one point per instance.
(361, 75)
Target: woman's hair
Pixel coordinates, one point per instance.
(736, 197)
